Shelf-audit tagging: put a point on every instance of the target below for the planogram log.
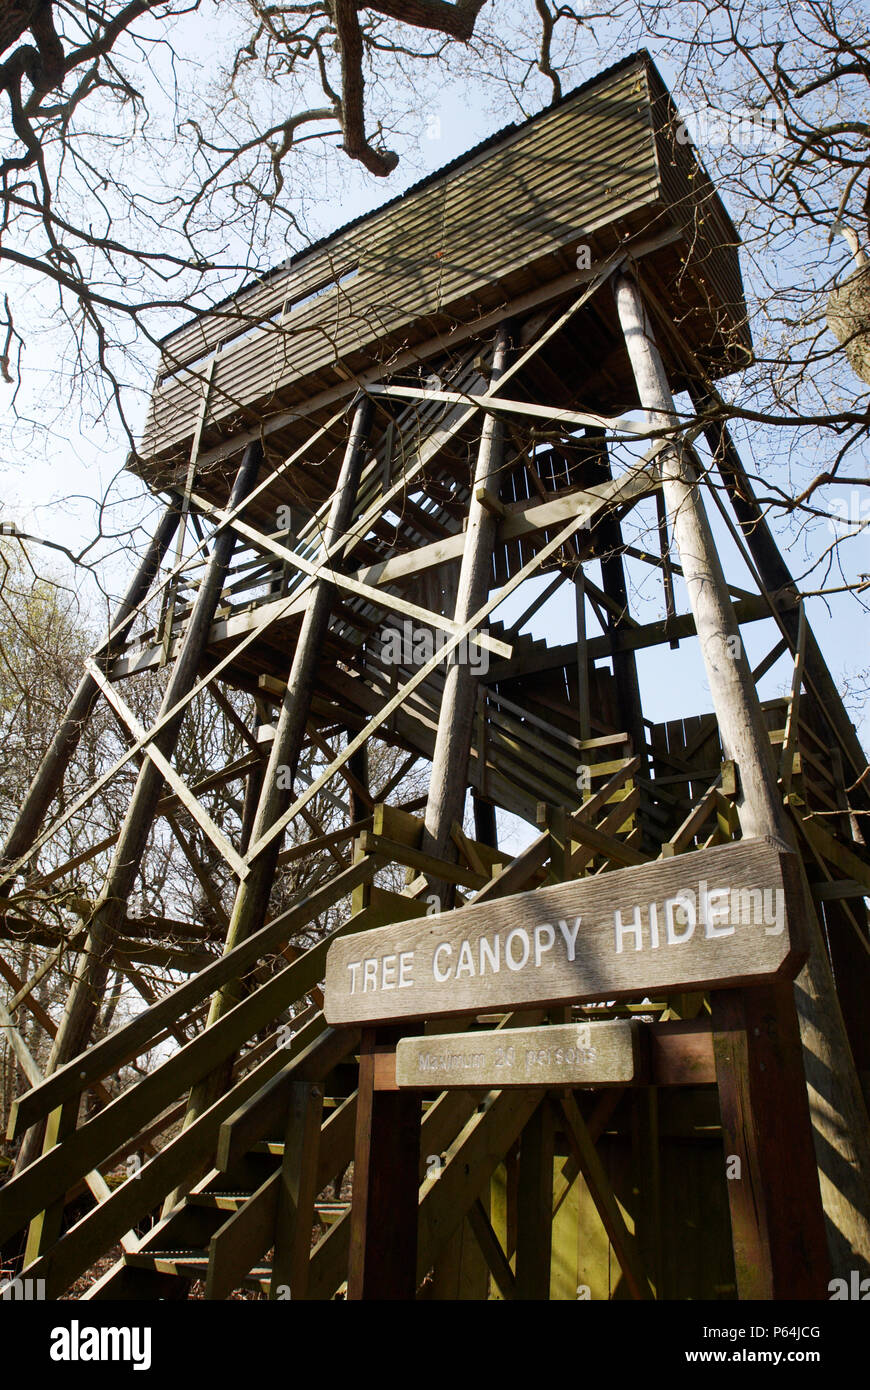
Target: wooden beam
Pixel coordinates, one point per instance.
(299, 1185)
(57, 757)
(491, 1248)
(623, 1242)
(495, 405)
(383, 1218)
(135, 1037)
(680, 1053)
(756, 1039)
(535, 1224)
(190, 803)
(624, 488)
(449, 1191)
(745, 740)
(429, 864)
(749, 610)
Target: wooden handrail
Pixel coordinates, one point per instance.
(137, 1036)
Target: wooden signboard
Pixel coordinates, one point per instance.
(704, 920)
(570, 1054)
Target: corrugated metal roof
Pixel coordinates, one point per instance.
(642, 55)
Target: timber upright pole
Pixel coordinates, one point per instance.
(777, 577)
(384, 1214)
(252, 896)
(92, 966)
(456, 718)
(78, 1016)
(358, 767)
(384, 1210)
(93, 962)
(613, 582)
(777, 1226)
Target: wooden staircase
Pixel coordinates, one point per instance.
(246, 1197)
(252, 1170)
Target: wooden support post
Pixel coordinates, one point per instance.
(744, 739)
(485, 828)
(582, 655)
(455, 721)
(738, 712)
(87, 987)
(252, 897)
(298, 1192)
(93, 963)
(383, 1219)
(610, 551)
(777, 578)
(646, 1163)
(358, 768)
(535, 1206)
(839, 1118)
(776, 1232)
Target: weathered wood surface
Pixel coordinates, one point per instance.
(570, 1054)
(394, 245)
(689, 922)
(505, 218)
(837, 1106)
(456, 718)
(383, 1218)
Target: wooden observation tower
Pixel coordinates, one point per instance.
(626, 1061)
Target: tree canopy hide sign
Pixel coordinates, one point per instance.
(710, 919)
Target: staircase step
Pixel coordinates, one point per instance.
(223, 1201)
(193, 1264)
(188, 1264)
(258, 1280)
(330, 1212)
(275, 1147)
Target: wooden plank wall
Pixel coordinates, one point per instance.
(695, 1249)
(477, 235)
